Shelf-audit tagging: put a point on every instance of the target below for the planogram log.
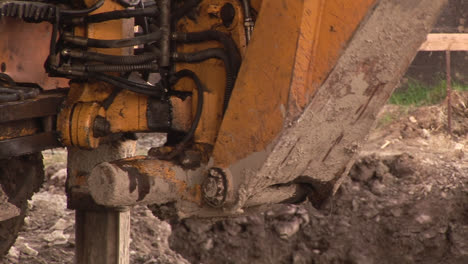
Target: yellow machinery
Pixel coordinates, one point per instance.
(263, 101)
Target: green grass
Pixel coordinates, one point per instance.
(416, 93)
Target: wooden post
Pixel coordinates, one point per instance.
(447, 42)
(449, 92)
(102, 237)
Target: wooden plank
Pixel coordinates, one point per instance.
(102, 237)
(443, 42)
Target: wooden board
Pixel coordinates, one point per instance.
(442, 42)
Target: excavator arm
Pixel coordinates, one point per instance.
(262, 101)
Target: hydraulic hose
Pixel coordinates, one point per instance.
(10, 91)
(112, 43)
(121, 68)
(203, 55)
(177, 76)
(228, 43)
(118, 14)
(153, 91)
(110, 59)
(17, 93)
(71, 12)
(248, 20)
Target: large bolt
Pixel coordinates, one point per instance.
(214, 187)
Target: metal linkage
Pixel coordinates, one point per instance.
(165, 27)
(27, 126)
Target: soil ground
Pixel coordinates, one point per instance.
(405, 201)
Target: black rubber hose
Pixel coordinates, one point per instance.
(8, 94)
(121, 68)
(119, 83)
(118, 14)
(177, 76)
(144, 25)
(112, 59)
(143, 86)
(112, 43)
(81, 12)
(228, 43)
(5, 78)
(203, 55)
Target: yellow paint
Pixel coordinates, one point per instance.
(82, 123)
(256, 4)
(254, 117)
(82, 103)
(283, 67)
(327, 27)
(128, 112)
(210, 72)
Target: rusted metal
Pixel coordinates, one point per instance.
(28, 144)
(29, 126)
(449, 91)
(46, 104)
(24, 47)
(19, 128)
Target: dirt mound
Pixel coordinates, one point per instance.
(420, 122)
(404, 202)
(393, 209)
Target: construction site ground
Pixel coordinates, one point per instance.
(405, 201)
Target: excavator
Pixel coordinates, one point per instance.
(262, 101)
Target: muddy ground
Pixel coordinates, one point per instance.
(406, 201)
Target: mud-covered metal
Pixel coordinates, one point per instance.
(215, 187)
(295, 121)
(315, 145)
(28, 126)
(46, 104)
(28, 144)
